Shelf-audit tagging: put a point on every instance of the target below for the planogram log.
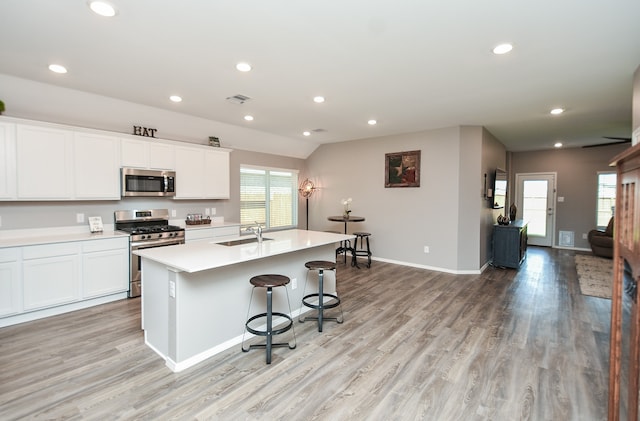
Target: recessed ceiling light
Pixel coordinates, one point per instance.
(248, 117)
(557, 111)
(57, 68)
(502, 48)
(243, 67)
(102, 8)
(306, 133)
(557, 145)
(175, 98)
(318, 99)
(372, 122)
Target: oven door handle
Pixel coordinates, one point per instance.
(155, 243)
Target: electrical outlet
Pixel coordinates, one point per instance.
(172, 289)
(584, 235)
(173, 213)
(426, 249)
(79, 218)
(213, 211)
(207, 211)
(294, 283)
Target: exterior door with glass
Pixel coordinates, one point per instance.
(535, 198)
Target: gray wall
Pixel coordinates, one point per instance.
(577, 170)
(443, 213)
(448, 213)
(493, 156)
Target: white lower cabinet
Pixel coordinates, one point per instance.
(51, 275)
(105, 267)
(41, 280)
(10, 291)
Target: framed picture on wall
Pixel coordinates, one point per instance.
(402, 169)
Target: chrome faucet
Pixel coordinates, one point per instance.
(257, 231)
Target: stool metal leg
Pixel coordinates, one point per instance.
(269, 331)
(244, 331)
(320, 299)
(269, 323)
(321, 306)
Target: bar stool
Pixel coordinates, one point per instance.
(321, 306)
(269, 282)
(344, 247)
(362, 251)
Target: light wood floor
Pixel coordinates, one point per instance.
(415, 344)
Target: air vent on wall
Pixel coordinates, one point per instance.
(238, 99)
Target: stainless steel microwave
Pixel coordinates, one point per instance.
(157, 183)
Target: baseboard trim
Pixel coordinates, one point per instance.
(434, 268)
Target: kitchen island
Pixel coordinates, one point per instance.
(195, 296)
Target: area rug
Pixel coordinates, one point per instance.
(595, 275)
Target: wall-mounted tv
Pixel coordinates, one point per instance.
(499, 189)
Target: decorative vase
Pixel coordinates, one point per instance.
(513, 210)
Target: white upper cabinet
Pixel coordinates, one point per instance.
(202, 173)
(97, 163)
(7, 160)
(47, 161)
(216, 174)
(58, 164)
(140, 153)
(44, 163)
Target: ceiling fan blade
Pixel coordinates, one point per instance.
(608, 143)
(628, 139)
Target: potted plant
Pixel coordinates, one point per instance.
(1, 107)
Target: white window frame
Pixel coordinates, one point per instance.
(294, 197)
(600, 221)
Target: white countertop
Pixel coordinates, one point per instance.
(35, 236)
(204, 254)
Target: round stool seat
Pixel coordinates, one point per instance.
(269, 281)
(320, 264)
(361, 234)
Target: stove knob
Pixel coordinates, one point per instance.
(143, 237)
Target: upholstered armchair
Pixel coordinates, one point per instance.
(602, 241)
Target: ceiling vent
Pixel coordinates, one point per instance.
(238, 99)
(318, 130)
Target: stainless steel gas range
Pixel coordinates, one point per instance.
(147, 228)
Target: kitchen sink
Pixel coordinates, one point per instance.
(242, 241)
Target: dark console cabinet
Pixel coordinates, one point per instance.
(510, 244)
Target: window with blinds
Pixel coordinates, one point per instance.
(268, 196)
(606, 198)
